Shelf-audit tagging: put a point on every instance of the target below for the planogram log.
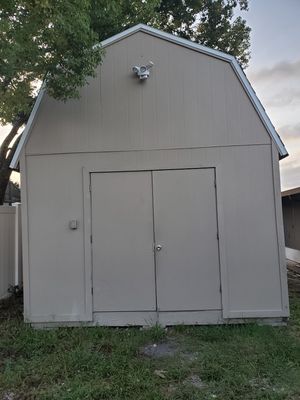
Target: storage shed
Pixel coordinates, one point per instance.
(291, 222)
(155, 197)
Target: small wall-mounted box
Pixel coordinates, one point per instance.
(73, 224)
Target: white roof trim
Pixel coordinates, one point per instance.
(25, 134)
(182, 42)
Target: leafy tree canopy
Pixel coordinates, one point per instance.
(43, 40)
(209, 22)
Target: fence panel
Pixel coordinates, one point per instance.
(10, 248)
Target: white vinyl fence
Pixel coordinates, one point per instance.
(10, 248)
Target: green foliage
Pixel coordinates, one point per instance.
(241, 362)
(209, 22)
(109, 17)
(43, 40)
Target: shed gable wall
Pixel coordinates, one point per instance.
(190, 100)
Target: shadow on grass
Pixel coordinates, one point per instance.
(11, 308)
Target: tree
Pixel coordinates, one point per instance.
(209, 22)
(41, 40)
(54, 42)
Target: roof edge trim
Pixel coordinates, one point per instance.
(170, 38)
(27, 130)
(290, 192)
(185, 43)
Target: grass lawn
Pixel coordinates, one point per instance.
(225, 362)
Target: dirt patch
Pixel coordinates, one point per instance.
(14, 396)
(167, 349)
(196, 381)
(9, 396)
(160, 350)
(105, 348)
(189, 356)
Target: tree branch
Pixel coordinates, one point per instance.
(12, 151)
(6, 142)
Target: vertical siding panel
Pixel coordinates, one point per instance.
(233, 107)
(162, 106)
(175, 87)
(218, 113)
(148, 93)
(122, 74)
(93, 106)
(107, 98)
(135, 56)
(190, 104)
(77, 120)
(204, 100)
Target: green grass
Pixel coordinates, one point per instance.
(233, 362)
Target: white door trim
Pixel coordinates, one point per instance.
(222, 249)
(88, 249)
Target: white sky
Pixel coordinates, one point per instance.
(274, 72)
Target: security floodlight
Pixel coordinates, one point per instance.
(143, 71)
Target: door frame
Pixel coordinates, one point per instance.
(87, 227)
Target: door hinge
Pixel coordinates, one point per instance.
(217, 236)
(91, 239)
(92, 290)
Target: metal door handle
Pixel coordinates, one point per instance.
(158, 247)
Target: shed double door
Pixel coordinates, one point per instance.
(155, 241)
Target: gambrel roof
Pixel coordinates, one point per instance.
(190, 45)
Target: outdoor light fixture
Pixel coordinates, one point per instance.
(143, 71)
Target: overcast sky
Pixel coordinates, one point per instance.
(274, 72)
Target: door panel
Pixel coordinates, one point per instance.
(122, 227)
(187, 266)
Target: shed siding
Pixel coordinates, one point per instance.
(190, 100)
(291, 217)
(56, 257)
(249, 237)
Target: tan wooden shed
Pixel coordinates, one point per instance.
(155, 197)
